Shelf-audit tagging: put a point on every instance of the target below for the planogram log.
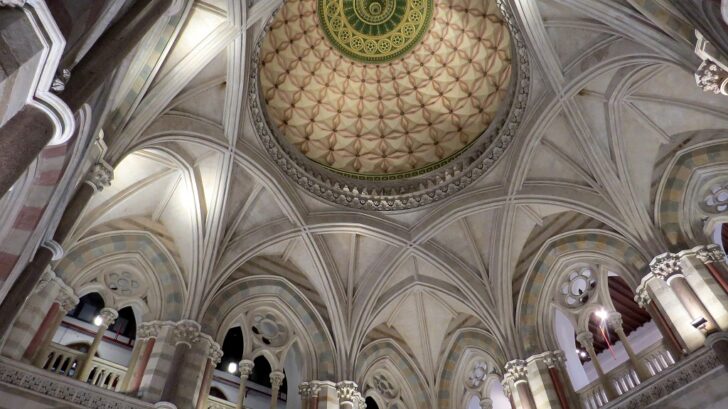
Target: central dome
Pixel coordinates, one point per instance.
(401, 118)
(374, 31)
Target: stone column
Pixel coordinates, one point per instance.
(186, 333)
(713, 258)
(304, 390)
(544, 388)
(146, 336)
(105, 56)
(246, 368)
(643, 298)
(615, 321)
(66, 301)
(516, 378)
(214, 356)
(276, 379)
(315, 390)
(34, 319)
(667, 267)
(108, 316)
(718, 342)
(586, 339)
(325, 395)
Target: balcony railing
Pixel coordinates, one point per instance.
(217, 403)
(66, 361)
(624, 377)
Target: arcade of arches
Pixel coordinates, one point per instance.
(390, 204)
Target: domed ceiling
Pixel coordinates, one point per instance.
(384, 90)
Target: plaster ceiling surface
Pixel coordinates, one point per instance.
(335, 103)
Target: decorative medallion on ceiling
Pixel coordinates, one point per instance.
(397, 127)
(374, 31)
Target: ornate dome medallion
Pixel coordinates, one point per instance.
(374, 31)
(393, 135)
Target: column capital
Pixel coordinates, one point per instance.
(642, 296)
(214, 353)
(67, 299)
(348, 391)
(516, 371)
(712, 253)
(100, 176)
(666, 266)
(486, 403)
(108, 316)
(315, 388)
(711, 78)
(276, 379)
(148, 330)
(187, 332)
(245, 367)
(304, 389)
(12, 3)
(45, 280)
(615, 321)
(586, 339)
(553, 359)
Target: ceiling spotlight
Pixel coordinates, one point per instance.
(98, 320)
(232, 367)
(582, 354)
(602, 314)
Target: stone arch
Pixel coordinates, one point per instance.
(407, 369)
(601, 246)
(228, 304)
(464, 343)
(143, 246)
(675, 207)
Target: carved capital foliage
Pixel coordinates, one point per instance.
(187, 332)
(108, 316)
(586, 339)
(516, 371)
(276, 379)
(711, 78)
(246, 368)
(67, 299)
(304, 389)
(712, 253)
(100, 176)
(148, 330)
(642, 296)
(215, 353)
(12, 3)
(665, 266)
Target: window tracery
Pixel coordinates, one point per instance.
(578, 287)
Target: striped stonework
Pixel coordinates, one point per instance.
(248, 289)
(675, 185)
(108, 245)
(385, 349)
(708, 289)
(604, 244)
(463, 341)
(31, 316)
(159, 364)
(539, 381)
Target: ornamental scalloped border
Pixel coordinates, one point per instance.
(378, 59)
(396, 192)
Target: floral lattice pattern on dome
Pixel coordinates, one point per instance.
(399, 119)
(374, 31)
(578, 287)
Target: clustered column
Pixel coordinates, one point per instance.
(690, 290)
(108, 316)
(146, 335)
(330, 395)
(246, 368)
(586, 339)
(615, 322)
(214, 355)
(516, 382)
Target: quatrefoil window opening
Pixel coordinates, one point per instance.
(123, 283)
(578, 287)
(269, 329)
(477, 375)
(717, 198)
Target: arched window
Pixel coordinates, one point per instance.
(371, 403)
(125, 324)
(88, 308)
(215, 392)
(232, 349)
